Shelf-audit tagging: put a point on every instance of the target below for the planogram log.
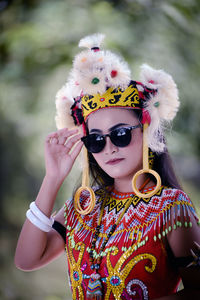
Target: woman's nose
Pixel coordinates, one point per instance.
(110, 147)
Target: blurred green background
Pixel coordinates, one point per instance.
(38, 40)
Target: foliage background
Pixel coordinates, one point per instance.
(38, 40)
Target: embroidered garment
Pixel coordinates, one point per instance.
(134, 263)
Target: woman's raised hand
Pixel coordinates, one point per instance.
(59, 155)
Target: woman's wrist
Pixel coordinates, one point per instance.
(47, 194)
(53, 180)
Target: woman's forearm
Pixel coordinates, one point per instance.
(32, 242)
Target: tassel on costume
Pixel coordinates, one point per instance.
(94, 289)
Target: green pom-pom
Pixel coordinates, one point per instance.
(170, 228)
(190, 224)
(95, 80)
(159, 236)
(166, 231)
(146, 238)
(186, 224)
(155, 238)
(163, 233)
(156, 104)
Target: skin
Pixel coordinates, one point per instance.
(36, 248)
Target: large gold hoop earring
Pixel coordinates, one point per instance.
(146, 169)
(77, 204)
(85, 187)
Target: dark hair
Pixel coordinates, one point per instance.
(163, 165)
(99, 176)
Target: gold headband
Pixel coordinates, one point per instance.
(111, 98)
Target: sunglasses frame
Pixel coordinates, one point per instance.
(84, 138)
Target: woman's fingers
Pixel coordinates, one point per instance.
(70, 142)
(76, 150)
(62, 132)
(61, 136)
(61, 140)
(69, 139)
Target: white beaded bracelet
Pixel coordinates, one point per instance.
(35, 221)
(42, 217)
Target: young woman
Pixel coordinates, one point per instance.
(135, 233)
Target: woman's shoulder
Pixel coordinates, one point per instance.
(175, 196)
(179, 203)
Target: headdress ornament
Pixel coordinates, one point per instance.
(100, 79)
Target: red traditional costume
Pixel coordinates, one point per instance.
(136, 262)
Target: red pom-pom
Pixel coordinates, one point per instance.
(113, 73)
(146, 118)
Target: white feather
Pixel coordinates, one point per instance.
(123, 77)
(162, 107)
(87, 59)
(85, 81)
(167, 95)
(91, 41)
(64, 101)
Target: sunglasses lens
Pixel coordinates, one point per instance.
(121, 137)
(94, 142)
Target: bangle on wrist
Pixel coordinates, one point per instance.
(38, 223)
(42, 217)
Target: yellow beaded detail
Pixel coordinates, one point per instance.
(76, 276)
(122, 274)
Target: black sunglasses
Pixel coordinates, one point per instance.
(120, 137)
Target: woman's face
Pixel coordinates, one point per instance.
(117, 162)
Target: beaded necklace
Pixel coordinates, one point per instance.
(94, 289)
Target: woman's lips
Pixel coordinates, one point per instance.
(114, 161)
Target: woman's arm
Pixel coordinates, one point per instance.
(182, 241)
(35, 247)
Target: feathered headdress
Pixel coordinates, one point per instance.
(102, 79)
